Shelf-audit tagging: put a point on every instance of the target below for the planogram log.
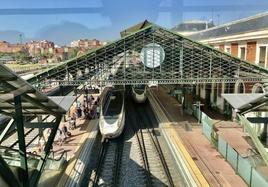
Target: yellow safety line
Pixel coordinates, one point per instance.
(196, 173)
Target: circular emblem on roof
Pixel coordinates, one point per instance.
(152, 55)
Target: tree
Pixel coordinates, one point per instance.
(74, 52)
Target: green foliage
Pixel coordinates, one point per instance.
(74, 52)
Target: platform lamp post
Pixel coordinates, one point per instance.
(199, 104)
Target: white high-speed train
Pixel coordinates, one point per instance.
(112, 114)
(138, 93)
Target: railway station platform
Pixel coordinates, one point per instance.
(201, 153)
(74, 147)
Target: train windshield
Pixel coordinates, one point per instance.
(139, 89)
(115, 106)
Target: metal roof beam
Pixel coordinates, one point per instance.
(34, 101)
(40, 125)
(8, 78)
(258, 120)
(10, 123)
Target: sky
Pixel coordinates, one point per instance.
(65, 20)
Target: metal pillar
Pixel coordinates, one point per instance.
(7, 174)
(37, 173)
(61, 91)
(21, 138)
(2, 135)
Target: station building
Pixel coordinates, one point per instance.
(247, 39)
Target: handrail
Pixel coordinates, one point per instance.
(16, 150)
(254, 138)
(36, 155)
(62, 154)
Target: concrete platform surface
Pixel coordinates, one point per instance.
(213, 166)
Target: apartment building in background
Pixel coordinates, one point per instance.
(6, 47)
(245, 38)
(36, 48)
(86, 43)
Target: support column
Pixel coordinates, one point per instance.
(21, 138)
(40, 130)
(263, 136)
(7, 174)
(37, 173)
(265, 85)
(61, 91)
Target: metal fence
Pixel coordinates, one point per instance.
(241, 165)
(207, 122)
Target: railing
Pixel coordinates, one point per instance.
(207, 122)
(240, 163)
(254, 138)
(13, 155)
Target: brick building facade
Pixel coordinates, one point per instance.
(6, 47)
(86, 44)
(246, 38)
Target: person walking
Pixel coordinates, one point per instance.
(97, 111)
(60, 137)
(64, 131)
(79, 112)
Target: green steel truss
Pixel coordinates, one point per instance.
(23, 105)
(185, 62)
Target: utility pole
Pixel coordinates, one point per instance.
(20, 38)
(198, 104)
(212, 16)
(218, 15)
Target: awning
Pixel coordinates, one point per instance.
(33, 102)
(247, 102)
(64, 102)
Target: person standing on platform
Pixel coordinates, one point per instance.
(97, 111)
(89, 101)
(79, 112)
(74, 120)
(64, 131)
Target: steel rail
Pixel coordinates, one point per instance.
(151, 132)
(135, 127)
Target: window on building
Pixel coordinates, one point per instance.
(228, 50)
(262, 56)
(243, 53)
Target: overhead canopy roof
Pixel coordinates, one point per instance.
(135, 28)
(107, 66)
(63, 101)
(33, 102)
(247, 102)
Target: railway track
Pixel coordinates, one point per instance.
(135, 158)
(108, 164)
(156, 169)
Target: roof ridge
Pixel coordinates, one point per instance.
(233, 22)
